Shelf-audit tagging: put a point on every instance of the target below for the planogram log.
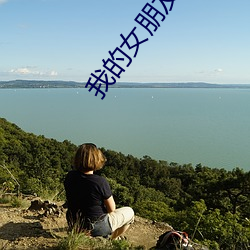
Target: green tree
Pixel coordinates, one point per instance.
(121, 194)
(154, 210)
(236, 188)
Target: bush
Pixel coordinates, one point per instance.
(152, 210)
(19, 202)
(5, 200)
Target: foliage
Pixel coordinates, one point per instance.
(211, 227)
(121, 193)
(18, 202)
(37, 162)
(153, 210)
(75, 241)
(82, 241)
(5, 199)
(212, 205)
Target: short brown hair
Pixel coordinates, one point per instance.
(88, 157)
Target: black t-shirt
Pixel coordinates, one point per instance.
(86, 193)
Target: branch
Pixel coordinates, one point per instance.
(13, 177)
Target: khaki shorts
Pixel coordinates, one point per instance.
(120, 217)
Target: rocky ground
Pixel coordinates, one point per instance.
(43, 228)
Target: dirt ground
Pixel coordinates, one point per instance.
(25, 229)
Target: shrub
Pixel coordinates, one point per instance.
(75, 241)
(152, 210)
(18, 202)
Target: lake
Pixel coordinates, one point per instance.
(207, 126)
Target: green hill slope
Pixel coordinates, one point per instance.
(37, 163)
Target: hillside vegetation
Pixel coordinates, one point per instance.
(212, 205)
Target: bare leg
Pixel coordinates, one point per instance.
(119, 231)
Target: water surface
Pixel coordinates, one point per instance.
(207, 126)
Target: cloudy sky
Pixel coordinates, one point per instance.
(200, 40)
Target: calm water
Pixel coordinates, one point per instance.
(207, 126)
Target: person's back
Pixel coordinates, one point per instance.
(85, 195)
(89, 198)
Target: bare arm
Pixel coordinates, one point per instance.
(110, 204)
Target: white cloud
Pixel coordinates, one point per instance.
(218, 70)
(53, 73)
(2, 1)
(31, 71)
(25, 71)
(211, 72)
(22, 71)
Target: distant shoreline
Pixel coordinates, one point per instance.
(19, 84)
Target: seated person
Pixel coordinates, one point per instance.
(91, 205)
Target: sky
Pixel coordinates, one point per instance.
(198, 41)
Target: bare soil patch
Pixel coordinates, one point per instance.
(26, 229)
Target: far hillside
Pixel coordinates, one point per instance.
(16, 84)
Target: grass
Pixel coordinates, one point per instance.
(75, 241)
(83, 241)
(5, 200)
(54, 195)
(14, 201)
(19, 202)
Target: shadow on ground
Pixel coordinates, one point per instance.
(12, 231)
